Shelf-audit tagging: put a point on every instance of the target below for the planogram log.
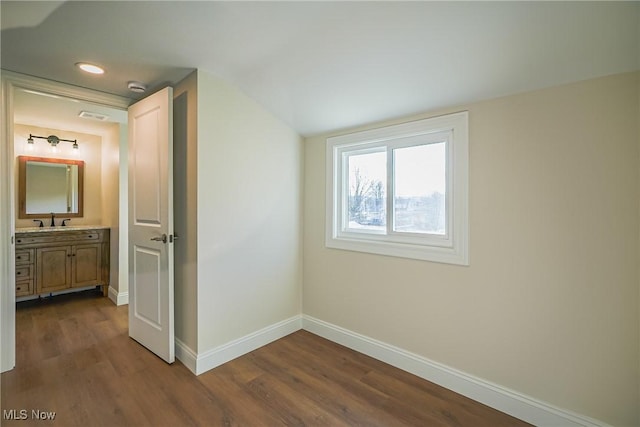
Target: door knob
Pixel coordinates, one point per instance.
(162, 238)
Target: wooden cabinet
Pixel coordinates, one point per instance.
(49, 261)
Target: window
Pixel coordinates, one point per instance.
(401, 190)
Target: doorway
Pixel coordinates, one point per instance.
(47, 106)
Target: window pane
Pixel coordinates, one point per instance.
(367, 191)
(420, 189)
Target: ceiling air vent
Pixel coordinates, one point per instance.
(94, 116)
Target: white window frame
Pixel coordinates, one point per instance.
(450, 248)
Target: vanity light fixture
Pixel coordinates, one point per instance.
(90, 68)
(53, 140)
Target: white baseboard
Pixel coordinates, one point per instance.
(186, 355)
(508, 401)
(118, 298)
(200, 363)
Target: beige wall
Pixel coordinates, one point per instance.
(549, 306)
(185, 178)
(110, 198)
(249, 216)
(90, 152)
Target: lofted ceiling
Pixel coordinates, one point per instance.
(323, 66)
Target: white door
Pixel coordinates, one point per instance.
(151, 223)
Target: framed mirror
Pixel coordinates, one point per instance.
(47, 186)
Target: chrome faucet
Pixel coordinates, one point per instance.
(53, 223)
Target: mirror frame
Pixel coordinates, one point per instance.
(22, 186)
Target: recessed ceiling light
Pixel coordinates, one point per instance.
(90, 68)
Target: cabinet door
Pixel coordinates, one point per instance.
(86, 265)
(53, 266)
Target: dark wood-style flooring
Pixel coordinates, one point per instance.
(74, 358)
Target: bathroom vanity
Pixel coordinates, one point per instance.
(52, 259)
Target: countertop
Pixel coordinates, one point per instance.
(60, 228)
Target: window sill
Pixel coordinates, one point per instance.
(444, 255)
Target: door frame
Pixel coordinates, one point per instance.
(10, 81)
